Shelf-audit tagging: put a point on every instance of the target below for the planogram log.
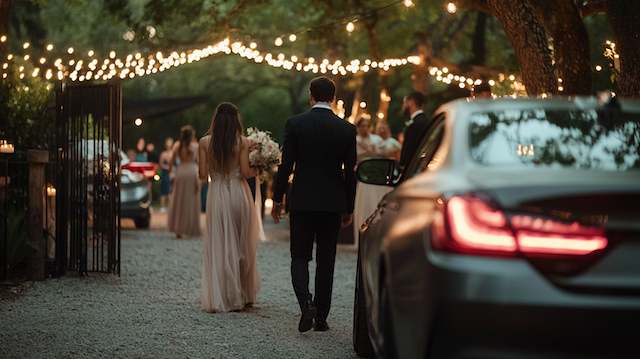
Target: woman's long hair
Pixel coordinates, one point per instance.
(225, 131)
(186, 137)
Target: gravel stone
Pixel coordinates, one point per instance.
(152, 310)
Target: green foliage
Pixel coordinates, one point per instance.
(266, 96)
(17, 247)
(29, 120)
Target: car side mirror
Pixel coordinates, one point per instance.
(378, 171)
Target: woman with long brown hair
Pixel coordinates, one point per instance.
(229, 271)
(184, 212)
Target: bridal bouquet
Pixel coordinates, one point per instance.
(265, 154)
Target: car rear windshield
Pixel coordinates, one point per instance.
(585, 139)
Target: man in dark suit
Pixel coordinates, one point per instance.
(320, 150)
(415, 128)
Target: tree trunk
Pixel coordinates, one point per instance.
(529, 40)
(420, 72)
(624, 17)
(479, 46)
(376, 54)
(563, 22)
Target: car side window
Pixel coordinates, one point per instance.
(428, 147)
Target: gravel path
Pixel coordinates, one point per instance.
(152, 310)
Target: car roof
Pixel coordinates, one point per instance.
(505, 103)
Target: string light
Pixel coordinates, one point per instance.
(127, 67)
(278, 41)
(452, 8)
(292, 37)
(408, 3)
(26, 45)
(49, 47)
(350, 26)
(598, 68)
(3, 38)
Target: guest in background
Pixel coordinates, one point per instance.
(389, 147)
(416, 126)
(152, 156)
(482, 91)
(184, 210)
(368, 146)
(131, 155)
(141, 154)
(165, 177)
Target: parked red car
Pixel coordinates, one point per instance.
(147, 169)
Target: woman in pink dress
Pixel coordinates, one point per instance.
(230, 279)
(184, 212)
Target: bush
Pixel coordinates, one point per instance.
(30, 114)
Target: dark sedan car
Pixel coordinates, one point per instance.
(514, 232)
(135, 193)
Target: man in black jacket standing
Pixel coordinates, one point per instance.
(320, 150)
(415, 128)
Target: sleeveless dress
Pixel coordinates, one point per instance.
(184, 211)
(230, 278)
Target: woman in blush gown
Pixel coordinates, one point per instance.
(230, 279)
(184, 210)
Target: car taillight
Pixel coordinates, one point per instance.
(471, 225)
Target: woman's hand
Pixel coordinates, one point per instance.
(251, 144)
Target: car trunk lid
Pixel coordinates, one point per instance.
(609, 201)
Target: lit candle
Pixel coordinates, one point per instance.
(6, 147)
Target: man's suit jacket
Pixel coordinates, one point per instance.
(320, 150)
(413, 136)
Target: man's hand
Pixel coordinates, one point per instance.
(276, 212)
(347, 219)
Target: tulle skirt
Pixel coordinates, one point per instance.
(230, 278)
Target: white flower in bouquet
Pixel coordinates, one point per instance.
(265, 154)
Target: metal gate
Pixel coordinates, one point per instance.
(89, 125)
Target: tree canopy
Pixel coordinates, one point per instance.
(468, 40)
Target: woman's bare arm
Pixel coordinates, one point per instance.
(203, 147)
(245, 167)
(174, 153)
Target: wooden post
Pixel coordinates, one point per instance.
(36, 262)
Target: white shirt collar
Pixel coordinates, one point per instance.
(413, 115)
(324, 105)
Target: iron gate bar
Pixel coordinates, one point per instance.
(89, 117)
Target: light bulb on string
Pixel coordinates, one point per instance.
(278, 41)
(292, 37)
(452, 8)
(49, 47)
(408, 3)
(3, 38)
(350, 26)
(26, 45)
